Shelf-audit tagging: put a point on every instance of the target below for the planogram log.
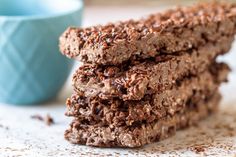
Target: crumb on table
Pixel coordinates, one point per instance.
(47, 119)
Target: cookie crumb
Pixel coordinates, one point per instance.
(37, 116)
(47, 119)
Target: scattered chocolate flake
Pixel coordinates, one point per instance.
(199, 149)
(47, 119)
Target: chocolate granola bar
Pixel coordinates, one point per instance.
(175, 30)
(133, 81)
(141, 80)
(141, 134)
(116, 112)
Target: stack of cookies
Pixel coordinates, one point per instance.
(142, 80)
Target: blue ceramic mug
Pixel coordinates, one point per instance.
(32, 69)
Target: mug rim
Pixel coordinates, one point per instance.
(79, 7)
